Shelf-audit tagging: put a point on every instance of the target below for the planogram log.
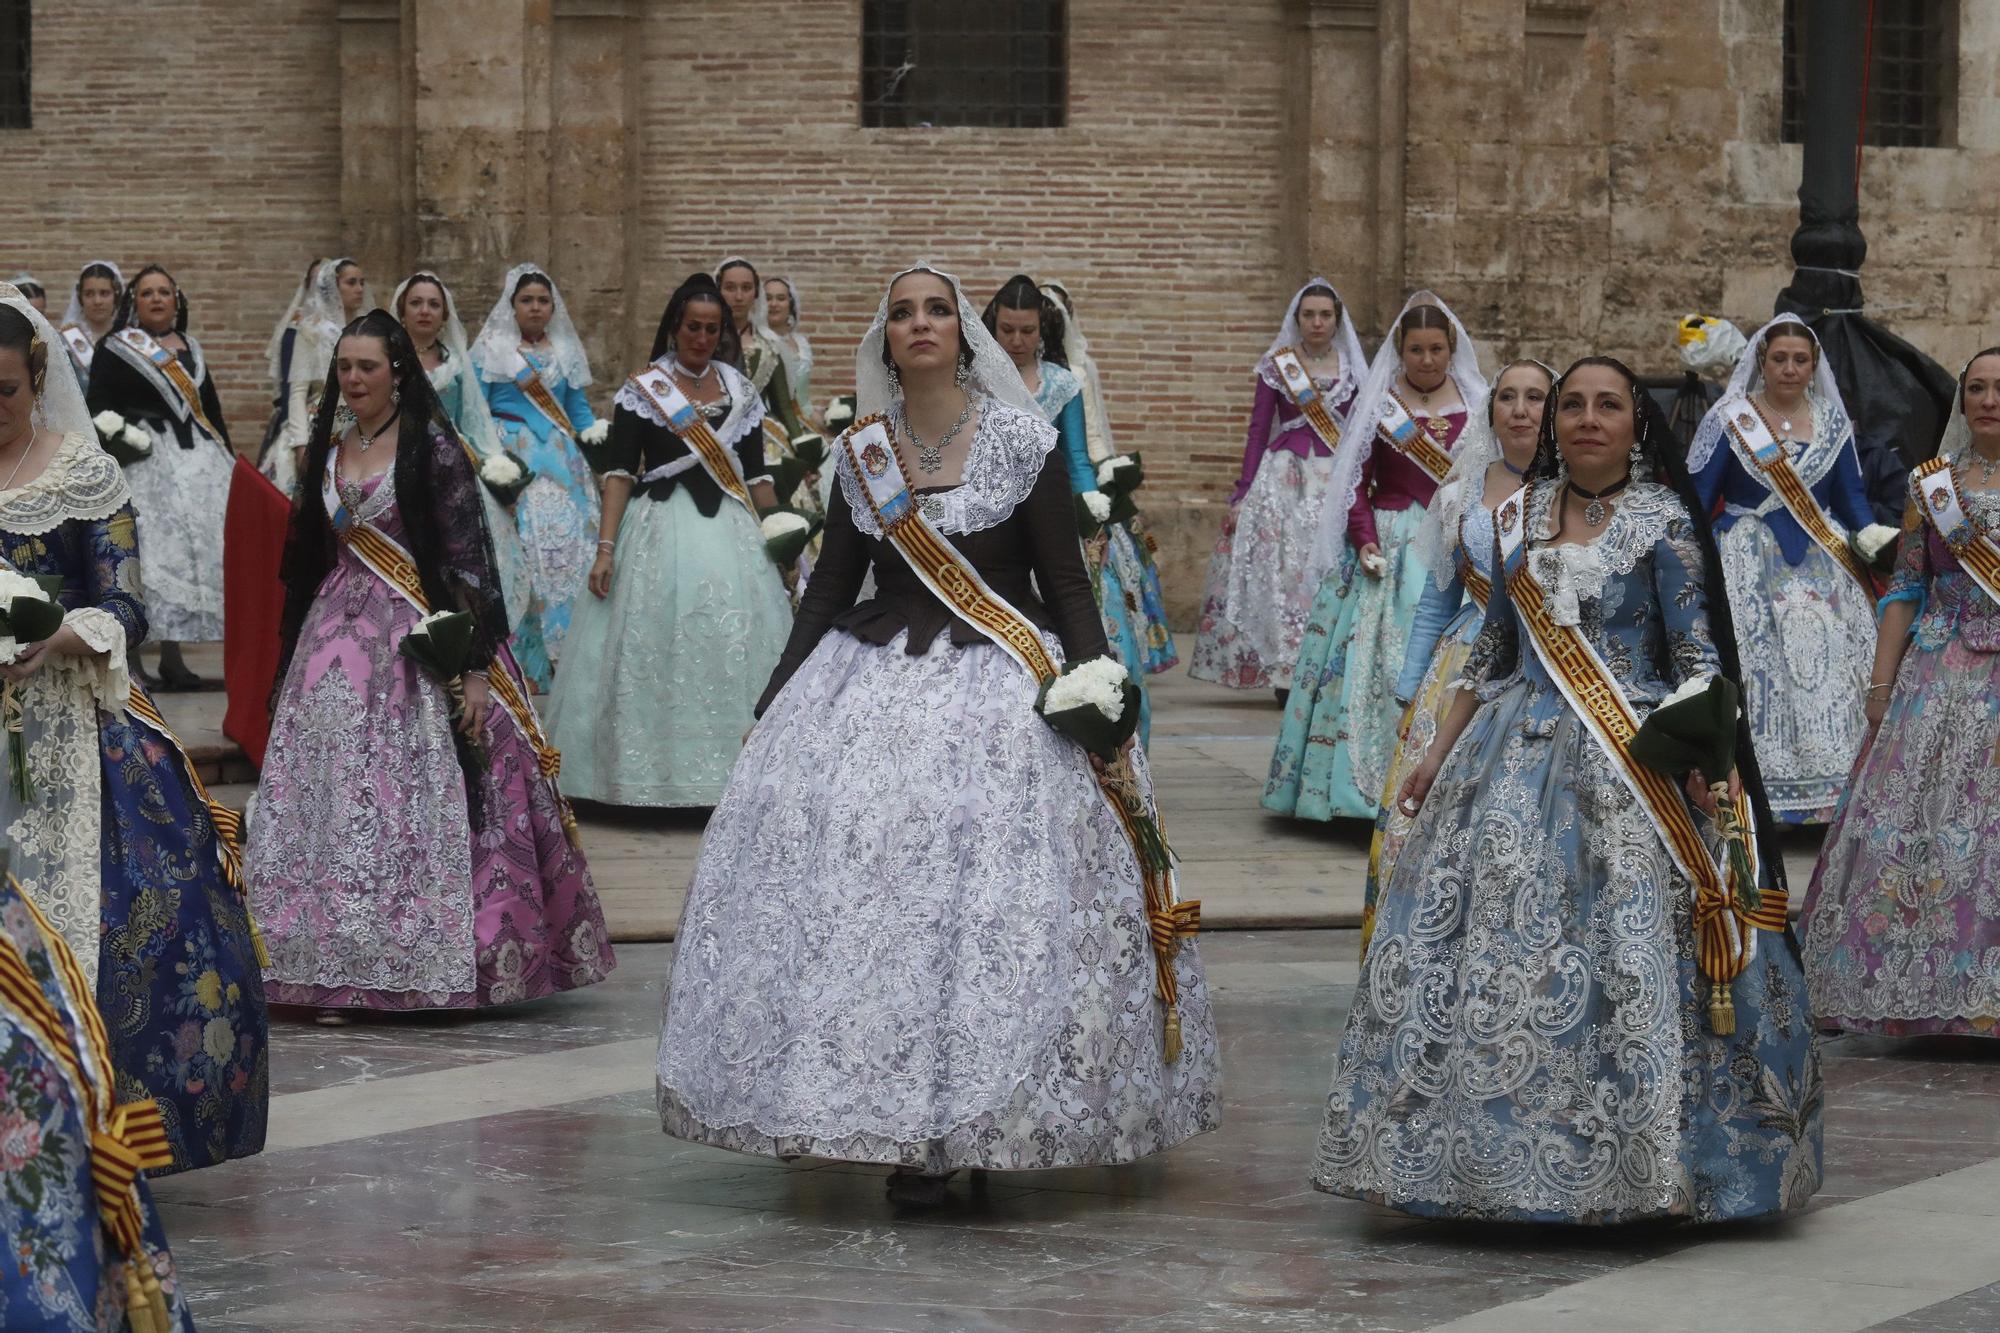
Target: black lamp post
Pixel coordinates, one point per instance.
(1897, 396)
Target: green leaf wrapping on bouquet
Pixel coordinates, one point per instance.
(1123, 508)
(785, 548)
(1088, 726)
(122, 447)
(1698, 732)
(1125, 480)
(509, 492)
(597, 456)
(30, 619)
(440, 646)
(1884, 560)
(809, 447)
(787, 475)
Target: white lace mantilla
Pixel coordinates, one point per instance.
(746, 407)
(1006, 458)
(81, 481)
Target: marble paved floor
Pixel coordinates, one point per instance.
(506, 1171)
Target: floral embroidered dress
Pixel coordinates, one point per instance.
(181, 490)
(660, 678)
(373, 883)
(1528, 1040)
(1802, 621)
(915, 934)
(1262, 577)
(1339, 733)
(66, 1267)
(1902, 923)
(557, 514)
(117, 842)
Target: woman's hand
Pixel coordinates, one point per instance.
(1876, 707)
(1124, 755)
(1704, 800)
(1417, 787)
(65, 642)
(1370, 556)
(600, 574)
(478, 694)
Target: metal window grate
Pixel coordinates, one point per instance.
(14, 25)
(1912, 74)
(1000, 64)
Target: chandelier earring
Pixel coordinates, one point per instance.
(395, 397)
(961, 375)
(895, 380)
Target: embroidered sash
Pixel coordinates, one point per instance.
(1974, 548)
(1305, 394)
(952, 578)
(657, 387)
(1399, 426)
(1724, 940)
(387, 560)
(529, 382)
(79, 344)
(125, 1138)
(169, 368)
(1754, 439)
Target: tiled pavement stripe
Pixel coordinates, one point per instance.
(467, 1092)
(1839, 1269)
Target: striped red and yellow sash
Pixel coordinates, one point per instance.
(955, 582)
(170, 368)
(1306, 396)
(529, 382)
(1944, 509)
(685, 420)
(1756, 439)
(1406, 435)
(1722, 921)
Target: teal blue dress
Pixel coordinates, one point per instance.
(1060, 401)
(1529, 1039)
(557, 514)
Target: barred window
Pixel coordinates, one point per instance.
(999, 63)
(14, 65)
(1912, 74)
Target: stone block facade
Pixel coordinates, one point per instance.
(1572, 174)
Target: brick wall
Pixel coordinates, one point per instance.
(198, 134)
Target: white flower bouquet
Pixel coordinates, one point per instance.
(1120, 478)
(1094, 703)
(1876, 546)
(506, 474)
(29, 614)
(808, 455)
(596, 433)
(787, 532)
(1093, 510)
(839, 414)
(121, 439)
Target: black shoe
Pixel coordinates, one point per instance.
(177, 677)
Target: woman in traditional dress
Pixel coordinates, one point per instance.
(429, 315)
(1339, 732)
(1801, 599)
(1138, 570)
(1262, 577)
(408, 847)
(736, 277)
(533, 370)
(1028, 327)
(337, 293)
(93, 309)
(687, 615)
(157, 379)
(788, 340)
(1551, 1024)
(916, 932)
(1902, 922)
(1456, 544)
(113, 835)
(82, 1251)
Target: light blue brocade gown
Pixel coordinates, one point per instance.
(1529, 1038)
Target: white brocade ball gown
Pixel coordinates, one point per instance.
(916, 932)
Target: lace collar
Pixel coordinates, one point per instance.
(80, 482)
(746, 405)
(1577, 572)
(1006, 459)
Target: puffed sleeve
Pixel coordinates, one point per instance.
(1262, 413)
(835, 583)
(624, 447)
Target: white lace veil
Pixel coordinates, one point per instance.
(759, 321)
(476, 422)
(993, 371)
(1359, 437)
(73, 314)
(1477, 450)
(321, 318)
(797, 353)
(1957, 437)
(59, 406)
(1831, 426)
(274, 349)
(1353, 360)
(1076, 349)
(497, 351)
